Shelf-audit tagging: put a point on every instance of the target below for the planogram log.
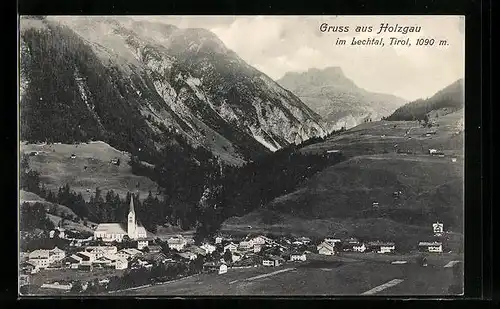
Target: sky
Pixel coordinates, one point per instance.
(279, 44)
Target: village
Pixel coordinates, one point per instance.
(107, 256)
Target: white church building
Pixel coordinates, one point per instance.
(116, 231)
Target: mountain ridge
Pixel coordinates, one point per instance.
(173, 82)
(337, 98)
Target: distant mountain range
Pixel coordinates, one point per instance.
(338, 99)
(145, 85)
(445, 101)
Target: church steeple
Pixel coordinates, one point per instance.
(132, 223)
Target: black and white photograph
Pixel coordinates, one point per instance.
(241, 155)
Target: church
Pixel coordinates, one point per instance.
(116, 231)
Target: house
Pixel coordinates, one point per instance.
(236, 256)
(257, 248)
(332, 240)
(28, 267)
(154, 249)
(177, 242)
(100, 251)
(57, 286)
(262, 240)
(432, 151)
(296, 256)
(60, 232)
(209, 249)
(326, 248)
(382, 247)
(155, 258)
(115, 161)
(142, 243)
(211, 266)
(222, 269)
(197, 250)
(73, 156)
(121, 263)
(43, 258)
(359, 248)
(375, 204)
(437, 228)
(128, 253)
(273, 261)
(304, 240)
(218, 240)
(24, 280)
(86, 258)
(434, 247)
(187, 255)
(453, 159)
(245, 245)
(104, 261)
(231, 247)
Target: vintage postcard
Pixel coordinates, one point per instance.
(241, 155)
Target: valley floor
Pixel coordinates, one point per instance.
(326, 276)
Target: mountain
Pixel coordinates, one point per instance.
(445, 101)
(339, 197)
(338, 99)
(144, 86)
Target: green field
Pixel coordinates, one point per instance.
(326, 278)
(90, 169)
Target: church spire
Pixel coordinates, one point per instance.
(131, 210)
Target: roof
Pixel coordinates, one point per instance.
(39, 253)
(111, 228)
(429, 243)
(186, 255)
(131, 209)
(131, 251)
(178, 239)
(274, 258)
(380, 243)
(327, 245)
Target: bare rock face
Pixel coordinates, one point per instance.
(145, 82)
(338, 99)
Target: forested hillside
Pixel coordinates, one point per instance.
(449, 99)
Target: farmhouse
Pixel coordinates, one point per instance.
(154, 249)
(382, 247)
(177, 242)
(116, 231)
(273, 261)
(435, 247)
(187, 255)
(326, 248)
(128, 253)
(209, 249)
(43, 258)
(231, 247)
(437, 228)
(297, 256)
(359, 248)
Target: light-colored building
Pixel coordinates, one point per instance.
(438, 228)
(116, 231)
(359, 248)
(209, 249)
(273, 261)
(245, 245)
(128, 253)
(188, 255)
(177, 242)
(326, 248)
(434, 247)
(218, 240)
(57, 286)
(294, 257)
(382, 247)
(231, 247)
(142, 243)
(100, 251)
(222, 269)
(121, 263)
(43, 258)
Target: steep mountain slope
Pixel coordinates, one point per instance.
(339, 198)
(143, 86)
(445, 101)
(337, 98)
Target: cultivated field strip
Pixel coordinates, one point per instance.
(451, 264)
(383, 287)
(264, 275)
